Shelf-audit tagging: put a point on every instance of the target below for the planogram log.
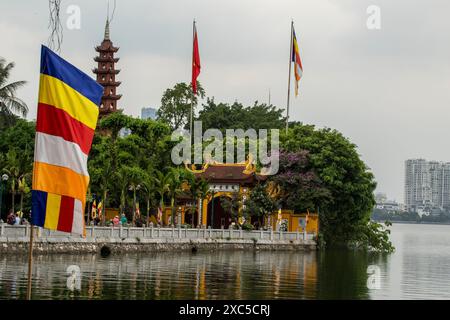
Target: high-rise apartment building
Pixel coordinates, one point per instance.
(427, 184)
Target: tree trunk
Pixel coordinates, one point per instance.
(21, 203)
(89, 213)
(172, 202)
(148, 211)
(104, 208)
(193, 213)
(134, 205)
(12, 201)
(199, 219)
(162, 211)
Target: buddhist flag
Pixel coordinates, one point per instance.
(138, 212)
(94, 210)
(100, 210)
(159, 216)
(66, 119)
(195, 62)
(298, 68)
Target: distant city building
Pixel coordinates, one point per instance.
(383, 203)
(427, 185)
(380, 197)
(148, 113)
(389, 206)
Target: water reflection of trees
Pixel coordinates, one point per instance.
(343, 273)
(204, 275)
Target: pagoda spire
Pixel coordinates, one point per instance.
(106, 73)
(107, 29)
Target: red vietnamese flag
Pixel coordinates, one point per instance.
(195, 62)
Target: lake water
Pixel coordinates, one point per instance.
(419, 269)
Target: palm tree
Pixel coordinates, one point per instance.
(198, 188)
(23, 189)
(13, 170)
(9, 102)
(162, 183)
(194, 190)
(203, 192)
(101, 176)
(122, 182)
(176, 180)
(135, 177)
(149, 189)
(126, 176)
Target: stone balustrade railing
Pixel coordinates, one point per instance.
(21, 233)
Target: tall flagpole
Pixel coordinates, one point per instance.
(192, 99)
(289, 79)
(30, 261)
(30, 245)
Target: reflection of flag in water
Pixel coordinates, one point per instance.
(298, 68)
(159, 217)
(66, 119)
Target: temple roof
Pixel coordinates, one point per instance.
(106, 46)
(229, 173)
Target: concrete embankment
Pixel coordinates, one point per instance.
(152, 245)
(14, 240)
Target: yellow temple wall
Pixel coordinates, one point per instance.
(168, 213)
(293, 221)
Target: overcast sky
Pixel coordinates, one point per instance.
(386, 90)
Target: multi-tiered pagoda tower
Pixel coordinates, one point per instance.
(106, 73)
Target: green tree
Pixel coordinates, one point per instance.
(232, 205)
(260, 204)
(100, 166)
(203, 192)
(113, 123)
(23, 188)
(235, 116)
(135, 177)
(162, 184)
(9, 102)
(198, 188)
(149, 190)
(12, 169)
(193, 190)
(175, 183)
(16, 153)
(122, 180)
(19, 137)
(176, 104)
(345, 217)
(300, 185)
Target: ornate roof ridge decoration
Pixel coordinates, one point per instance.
(274, 190)
(248, 166)
(193, 168)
